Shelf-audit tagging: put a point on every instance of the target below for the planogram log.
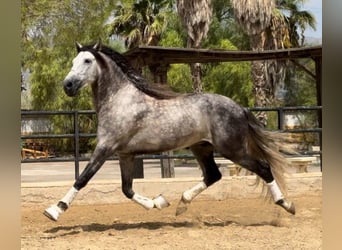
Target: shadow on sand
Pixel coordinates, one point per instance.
(97, 227)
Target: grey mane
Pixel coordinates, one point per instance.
(157, 91)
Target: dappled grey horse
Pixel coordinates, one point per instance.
(135, 117)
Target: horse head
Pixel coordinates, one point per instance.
(85, 69)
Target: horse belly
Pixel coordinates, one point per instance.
(164, 136)
(158, 144)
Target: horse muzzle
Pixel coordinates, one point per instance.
(71, 86)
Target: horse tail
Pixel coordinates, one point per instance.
(266, 146)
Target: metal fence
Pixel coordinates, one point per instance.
(76, 135)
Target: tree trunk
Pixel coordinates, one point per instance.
(262, 92)
(196, 17)
(259, 90)
(196, 70)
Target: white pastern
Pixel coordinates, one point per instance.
(70, 196)
(190, 194)
(160, 202)
(54, 211)
(143, 201)
(275, 191)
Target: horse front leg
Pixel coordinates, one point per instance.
(98, 158)
(127, 169)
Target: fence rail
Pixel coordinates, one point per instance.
(76, 135)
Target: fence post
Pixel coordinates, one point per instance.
(167, 165)
(280, 118)
(318, 70)
(76, 144)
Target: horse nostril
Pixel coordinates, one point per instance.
(68, 84)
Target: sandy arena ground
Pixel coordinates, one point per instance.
(228, 224)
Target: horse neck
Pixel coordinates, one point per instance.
(111, 80)
(94, 88)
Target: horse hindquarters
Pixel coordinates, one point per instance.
(250, 146)
(265, 146)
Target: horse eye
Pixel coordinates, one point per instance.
(87, 61)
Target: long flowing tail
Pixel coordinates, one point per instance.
(266, 146)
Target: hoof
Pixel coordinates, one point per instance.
(53, 212)
(182, 207)
(287, 205)
(160, 202)
(291, 209)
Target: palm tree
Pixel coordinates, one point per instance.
(196, 17)
(296, 20)
(268, 27)
(140, 22)
(286, 30)
(254, 17)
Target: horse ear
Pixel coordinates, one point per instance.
(78, 46)
(97, 46)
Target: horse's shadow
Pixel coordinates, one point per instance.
(97, 227)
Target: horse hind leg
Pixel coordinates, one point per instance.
(204, 154)
(263, 170)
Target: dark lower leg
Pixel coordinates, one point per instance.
(82, 180)
(205, 156)
(98, 158)
(127, 169)
(89, 171)
(54, 211)
(262, 169)
(211, 172)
